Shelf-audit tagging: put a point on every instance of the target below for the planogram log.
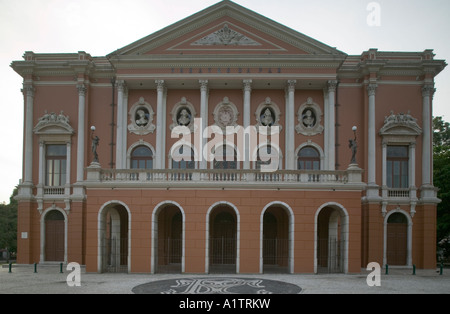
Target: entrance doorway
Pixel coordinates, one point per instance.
(169, 240)
(331, 240)
(222, 240)
(275, 241)
(54, 236)
(397, 239)
(114, 239)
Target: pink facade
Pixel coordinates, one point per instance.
(148, 205)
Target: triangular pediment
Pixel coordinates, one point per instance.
(226, 27)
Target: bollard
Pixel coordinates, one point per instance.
(414, 269)
(10, 267)
(387, 269)
(441, 269)
(61, 268)
(35, 267)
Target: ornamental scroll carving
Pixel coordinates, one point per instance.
(227, 37)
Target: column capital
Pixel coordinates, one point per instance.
(247, 85)
(428, 89)
(81, 89)
(371, 89)
(121, 86)
(160, 85)
(291, 85)
(203, 85)
(28, 89)
(332, 85)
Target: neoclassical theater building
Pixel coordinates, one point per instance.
(229, 143)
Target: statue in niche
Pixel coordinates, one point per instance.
(184, 117)
(141, 117)
(267, 118)
(309, 119)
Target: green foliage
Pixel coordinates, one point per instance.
(441, 156)
(8, 224)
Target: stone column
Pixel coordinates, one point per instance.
(120, 125)
(372, 189)
(427, 91)
(159, 164)
(290, 142)
(331, 125)
(81, 131)
(247, 97)
(204, 121)
(28, 89)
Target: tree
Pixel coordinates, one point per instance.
(8, 224)
(441, 156)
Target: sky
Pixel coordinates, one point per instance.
(99, 27)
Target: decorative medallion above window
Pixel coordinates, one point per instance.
(141, 117)
(268, 114)
(183, 114)
(309, 118)
(225, 114)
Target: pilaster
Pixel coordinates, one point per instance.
(372, 187)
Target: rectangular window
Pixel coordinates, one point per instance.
(55, 168)
(397, 167)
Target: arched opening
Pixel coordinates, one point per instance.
(54, 236)
(276, 248)
(114, 239)
(397, 240)
(308, 158)
(331, 240)
(222, 240)
(141, 158)
(169, 240)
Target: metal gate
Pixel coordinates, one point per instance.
(329, 256)
(222, 254)
(170, 256)
(115, 255)
(275, 255)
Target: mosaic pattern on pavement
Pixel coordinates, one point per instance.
(217, 286)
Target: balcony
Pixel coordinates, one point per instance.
(207, 178)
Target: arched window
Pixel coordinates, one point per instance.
(225, 158)
(142, 158)
(265, 151)
(308, 158)
(183, 158)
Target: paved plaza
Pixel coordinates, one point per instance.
(49, 280)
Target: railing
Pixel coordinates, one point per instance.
(54, 190)
(405, 192)
(233, 176)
